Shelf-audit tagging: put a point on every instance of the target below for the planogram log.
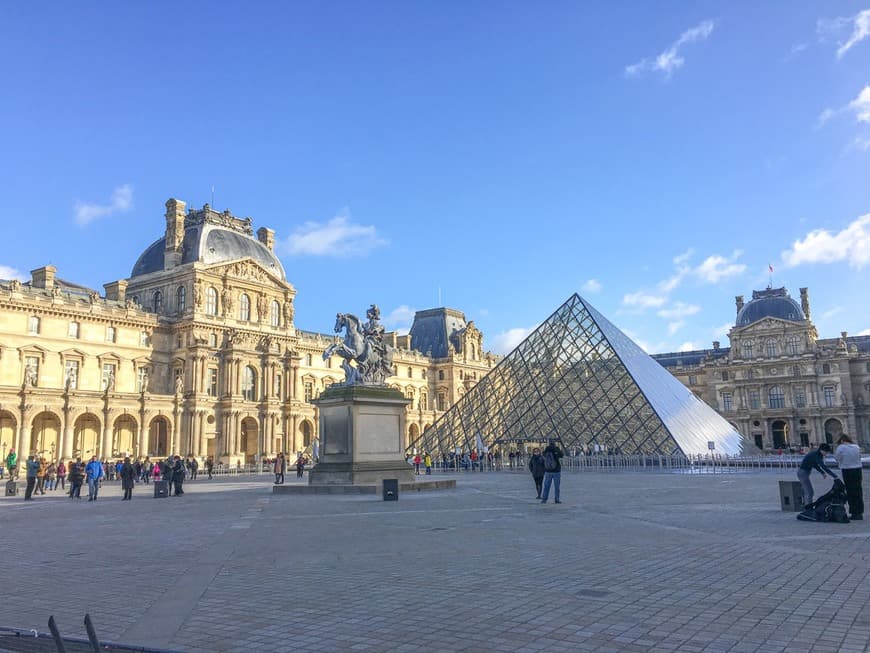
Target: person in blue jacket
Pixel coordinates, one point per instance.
(94, 472)
(815, 459)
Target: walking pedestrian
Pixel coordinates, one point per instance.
(300, 465)
(50, 475)
(128, 479)
(417, 461)
(536, 467)
(552, 471)
(40, 476)
(815, 459)
(194, 468)
(31, 471)
(178, 476)
(848, 457)
(209, 466)
(94, 472)
(427, 462)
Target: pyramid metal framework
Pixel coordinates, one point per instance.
(579, 379)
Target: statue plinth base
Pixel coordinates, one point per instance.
(361, 436)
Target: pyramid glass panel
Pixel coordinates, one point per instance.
(580, 380)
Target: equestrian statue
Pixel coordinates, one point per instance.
(364, 344)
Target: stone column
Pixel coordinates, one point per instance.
(66, 441)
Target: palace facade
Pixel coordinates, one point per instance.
(195, 353)
(778, 382)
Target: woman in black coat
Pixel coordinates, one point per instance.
(76, 478)
(536, 467)
(128, 476)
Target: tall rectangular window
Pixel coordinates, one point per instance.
(71, 374)
(73, 330)
(424, 401)
(693, 380)
(110, 334)
(143, 338)
(277, 386)
(829, 396)
(800, 398)
(33, 325)
(754, 399)
(309, 391)
(108, 376)
(726, 401)
(212, 382)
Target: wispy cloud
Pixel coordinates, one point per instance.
(339, 237)
(857, 27)
(591, 286)
(680, 259)
(715, 268)
(860, 107)
(506, 341)
(400, 318)
(673, 327)
(688, 346)
(722, 330)
(120, 202)
(831, 312)
(865, 332)
(670, 59)
(643, 300)
(7, 272)
(679, 310)
(851, 244)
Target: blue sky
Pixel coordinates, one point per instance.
(655, 157)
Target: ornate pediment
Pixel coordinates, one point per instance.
(249, 270)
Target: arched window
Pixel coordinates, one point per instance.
(747, 349)
(245, 308)
(249, 384)
(775, 397)
(770, 347)
(158, 301)
(275, 315)
(211, 301)
(792, 345)
(180, 299)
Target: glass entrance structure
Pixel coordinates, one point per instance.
(580, 380)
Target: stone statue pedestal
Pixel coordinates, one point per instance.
(361, 429)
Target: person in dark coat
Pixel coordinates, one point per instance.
(178, 476)
(279, 468)
(76, 479)
(536, 467)
(128, 479)
(815, 459)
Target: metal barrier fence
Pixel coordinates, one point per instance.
(702, 464)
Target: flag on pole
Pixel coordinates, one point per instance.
(770, 267)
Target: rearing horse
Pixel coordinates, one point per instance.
(354, 347)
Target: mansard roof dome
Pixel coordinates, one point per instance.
(211, 237)
(772, 302)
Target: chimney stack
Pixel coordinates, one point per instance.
(715, 345)
(174, 233)
(267, 237)
(116, 291)
(43, 277)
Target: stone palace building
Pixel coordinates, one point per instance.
(778, 382)
(195, 353)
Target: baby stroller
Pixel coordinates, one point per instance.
(831, 506)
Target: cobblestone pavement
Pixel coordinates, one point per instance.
(628, 562)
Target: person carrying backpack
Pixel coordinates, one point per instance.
(552, 471)
(536, 467)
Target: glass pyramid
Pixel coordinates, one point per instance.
(580, 380)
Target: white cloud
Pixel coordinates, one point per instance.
(120, 202)
(648, 347)
(722, 330)
(673, 327)
(827, 315)
(670, 59)
(672, 282)
(7, 272)
(824, 117)
(861, 105)
(591, 286)
(679, 259)
(506, 341)
(716, 267)
(860, 31)
(851, 244)
(643, 300)
(400, 319)
(865, 332)
(338, 237)
(679, 310)
(688, 346)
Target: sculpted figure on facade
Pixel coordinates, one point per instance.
(71, 379)
(179, 384)
(288, 312)
(29, 376)
(15, 285)
(110, 381)
(363, 344)
(197, 293)
(227, 301)
(262, 307)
